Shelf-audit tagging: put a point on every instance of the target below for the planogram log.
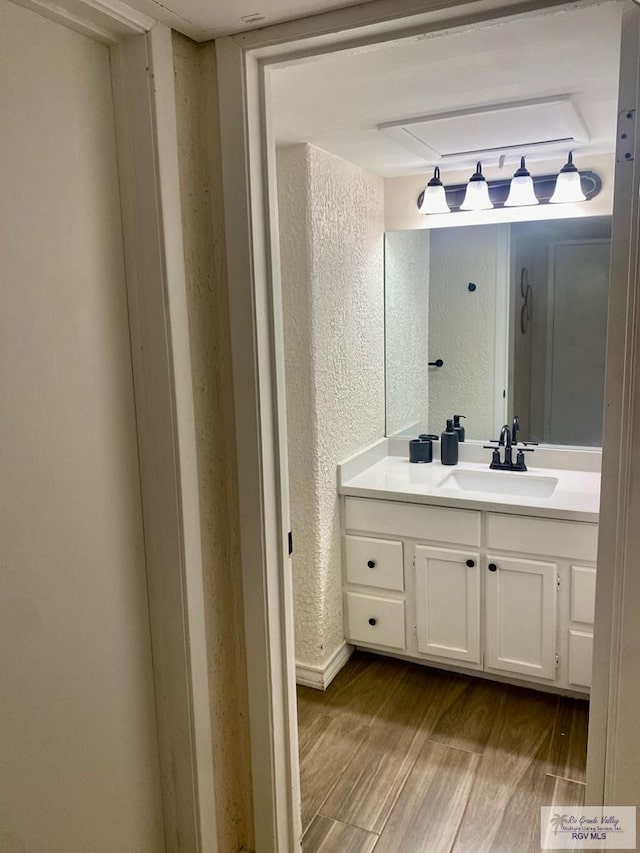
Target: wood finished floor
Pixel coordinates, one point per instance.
(399, 758)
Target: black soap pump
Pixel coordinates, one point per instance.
(449, 445)
(458, 426)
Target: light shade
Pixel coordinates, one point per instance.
(521, 192)
(568, 185)
(477, 195)
(435, 198)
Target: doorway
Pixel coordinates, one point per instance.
(269, 404)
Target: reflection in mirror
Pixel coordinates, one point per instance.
(517, 316)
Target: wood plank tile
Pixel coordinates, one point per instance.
(330, 836)
(504, 802)
(311, 705)
(363, 686)
(468, 722)
(568, 756)
(521, 819)
(557, 792)
(367, 790)
(562, 792)
(326, 751)
(431, 804)
(335, 722)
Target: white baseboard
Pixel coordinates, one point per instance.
(320, 677)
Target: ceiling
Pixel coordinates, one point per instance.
(203, 20)
(553, 76)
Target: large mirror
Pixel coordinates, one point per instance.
(489, 321)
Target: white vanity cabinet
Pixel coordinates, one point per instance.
(511, 595)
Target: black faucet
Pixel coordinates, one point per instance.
(508, 438)
(515, 429)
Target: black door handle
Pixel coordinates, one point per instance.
(437, 363)
(492, 567)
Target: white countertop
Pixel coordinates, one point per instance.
(576, 496)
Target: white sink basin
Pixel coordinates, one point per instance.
(509, 483)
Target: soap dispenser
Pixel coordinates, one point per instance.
(449, 445)
(458, 426)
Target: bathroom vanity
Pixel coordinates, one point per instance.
(473, 569)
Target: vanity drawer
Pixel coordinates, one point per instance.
(544, 536)
(376, 621)
(415, 521)
(583, 594)
(580, 658)
(374, 562)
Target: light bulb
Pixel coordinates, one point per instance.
(434, 198)
(477, 195)
(521, 192)
(568, 186)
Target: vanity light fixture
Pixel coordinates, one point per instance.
(521, 192)
(568, 184)
(434, 199)
(477, 195)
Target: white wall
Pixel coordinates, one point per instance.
(462, 325)
(406, 290)
(331, 233)
(78, 737)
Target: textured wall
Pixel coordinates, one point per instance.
(406, 306)
(462, 326)
(204, 247)
(331, 233)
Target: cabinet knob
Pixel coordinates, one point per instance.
(471, 563)
(371, 564)
(373, 621)
(492, 567)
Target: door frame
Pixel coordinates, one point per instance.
(249, 181)
(146, 141)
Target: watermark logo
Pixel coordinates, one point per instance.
(588, 828)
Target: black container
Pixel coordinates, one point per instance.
(449, 445)
(458, 426)
(420, 451)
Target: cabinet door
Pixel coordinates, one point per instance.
(448, 603)
(521, 616)
(580, 658)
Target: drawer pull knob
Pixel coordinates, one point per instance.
(373, 621)
(493, 567)
(471, 563)
(371, 564)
